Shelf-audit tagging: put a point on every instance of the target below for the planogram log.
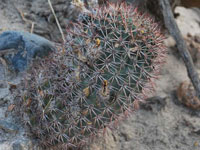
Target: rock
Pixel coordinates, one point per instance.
(186, 95)
(188, 21)
(22, 145)
(170, 42)
(64, 10)
(3, 101)
(154, 104)
(17, 146)
(25, 47)
(8, 127)
(3, 93)
(193, 45)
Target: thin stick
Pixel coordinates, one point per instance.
(26, 20)
(6, 51)
(182, 48)
(57, 22)
(32, 26)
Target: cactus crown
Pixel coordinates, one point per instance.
(109, 61)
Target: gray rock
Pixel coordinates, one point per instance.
(188, 21)
(23, 144)
(17, 146)
(8, 127)
(20, 143)
(26, 46)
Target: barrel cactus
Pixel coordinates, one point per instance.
(106, 67)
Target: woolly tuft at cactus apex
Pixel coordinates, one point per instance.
(111, 57)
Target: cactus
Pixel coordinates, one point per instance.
(107, 67)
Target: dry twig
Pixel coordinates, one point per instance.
(57, 22)
(26, 20)
(182, 48)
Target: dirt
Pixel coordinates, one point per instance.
(161, 124)
(24, 14)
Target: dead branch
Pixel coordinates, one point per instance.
(57, 22)
(182, 48)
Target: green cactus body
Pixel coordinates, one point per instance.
(107, 67)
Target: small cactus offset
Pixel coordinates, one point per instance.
(110, 59)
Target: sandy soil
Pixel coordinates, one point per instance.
(161, 124)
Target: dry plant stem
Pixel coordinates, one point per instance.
(6, 51)
(32, 27)
(182, 48)
(26, 20)
(57, 22)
